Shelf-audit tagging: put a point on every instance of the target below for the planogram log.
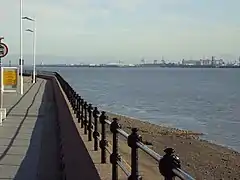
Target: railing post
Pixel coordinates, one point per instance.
(133, 138)
(67, 86)
(115, 157)
(82, 112)
(168, 162)
(76, 103)
(90, 122)
(78, 108)
(103, 142)
(71, 96)
(65, 90)
(85, 117)
(73, 101)
(68, 93)
(95, 133)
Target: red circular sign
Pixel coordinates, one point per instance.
(3, 50)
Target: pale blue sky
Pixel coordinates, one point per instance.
(109, 30)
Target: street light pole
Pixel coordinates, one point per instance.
(21, 48)
(34, 51)
(34, 31)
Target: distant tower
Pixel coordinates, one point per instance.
(155, 62)
(163, 61)
(213, 60)
(221, 62)
(183, 62)
(10, 63)
(142, 61)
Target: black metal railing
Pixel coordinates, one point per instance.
(89, 118)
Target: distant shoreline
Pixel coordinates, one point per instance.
(141, 66)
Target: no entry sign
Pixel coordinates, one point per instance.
(3, 50)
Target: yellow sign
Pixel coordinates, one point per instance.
(10, 77)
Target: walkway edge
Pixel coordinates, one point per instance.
(77, 161)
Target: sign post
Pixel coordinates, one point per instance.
(3, 53)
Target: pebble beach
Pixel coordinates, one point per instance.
(202, 159)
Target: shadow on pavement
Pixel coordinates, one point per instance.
(42, 157)
(78, 163)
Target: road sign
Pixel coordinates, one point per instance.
(3, 50)
(9, 79)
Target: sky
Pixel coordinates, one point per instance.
(100, 31)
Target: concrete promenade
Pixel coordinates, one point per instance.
(32, 147)
(27, 138)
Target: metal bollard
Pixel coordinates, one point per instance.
(82, 112)
(95, 133)
(133, 138)
(103, 142)
(90, 122)
(115, 157)
(168, 162)
(85, 117)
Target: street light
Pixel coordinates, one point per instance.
(34, 45)
(21, 48)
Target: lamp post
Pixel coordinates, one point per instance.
(21, 49)
(34, 31)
